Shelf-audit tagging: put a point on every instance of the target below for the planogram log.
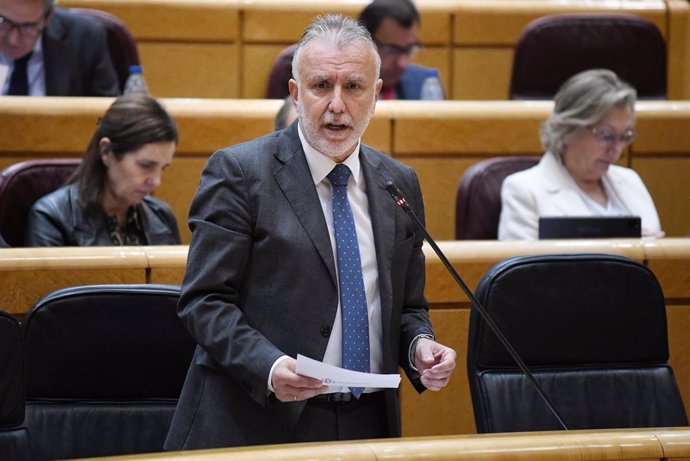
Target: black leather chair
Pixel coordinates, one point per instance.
(105, 366)
(121, 44)
(478, 198)
(21, 185)
(591, 327)
(553, 48)
(15, 442)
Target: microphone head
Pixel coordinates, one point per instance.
(396, 194)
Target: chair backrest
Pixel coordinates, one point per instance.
(478, 199)
(553, 48)
(121, 44)
(591, 327)
(104, 359)
(281, 73)
(21, 185)
(14, 438)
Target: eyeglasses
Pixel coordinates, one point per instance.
(388, 49)
(25, 29)
(610, 138)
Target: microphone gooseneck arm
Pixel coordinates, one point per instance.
(402, 203)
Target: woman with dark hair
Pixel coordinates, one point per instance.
(107, 201)
(592, 122)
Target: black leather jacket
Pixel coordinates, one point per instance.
(57, 219)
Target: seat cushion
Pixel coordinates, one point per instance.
(586, 399)
(77, 429)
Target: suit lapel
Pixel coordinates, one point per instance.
(382, 213)
(295, 180)
(562, 187)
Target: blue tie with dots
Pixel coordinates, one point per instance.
(353, 300)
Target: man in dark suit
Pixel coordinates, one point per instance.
(267, 272)
(394, 26)
(57, 53)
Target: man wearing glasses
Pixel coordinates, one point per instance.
(48, 51)
(394, 26)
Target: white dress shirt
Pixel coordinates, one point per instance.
(320, 166)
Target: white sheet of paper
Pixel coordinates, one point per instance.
(4, 70)
(334, 376)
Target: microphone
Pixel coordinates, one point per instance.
(402, 203)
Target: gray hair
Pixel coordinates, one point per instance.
(49, 4)
(583, 100)
(340, 32)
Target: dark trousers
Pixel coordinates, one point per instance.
(323, 420)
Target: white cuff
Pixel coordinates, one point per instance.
(413, 346)
(273, 367)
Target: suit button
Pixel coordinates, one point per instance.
(325, 332)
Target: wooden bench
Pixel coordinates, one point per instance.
(663, 444)
(31, 273)
(225, 48)
(439, 140)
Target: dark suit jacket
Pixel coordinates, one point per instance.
(58, 219)
(410, 85)
(261, 282)
(76, 57)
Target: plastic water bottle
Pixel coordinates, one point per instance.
(135, 82)
(431, 87)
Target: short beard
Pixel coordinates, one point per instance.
(332, 150)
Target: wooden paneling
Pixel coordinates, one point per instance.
(615, 445)
(191, 70)
(29, 274)
(476, 38)
(440, 140)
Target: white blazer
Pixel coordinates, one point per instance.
(547, 189)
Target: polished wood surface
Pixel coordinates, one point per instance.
(30, 273)
(225, 48)
(440, 140)
(661, 444)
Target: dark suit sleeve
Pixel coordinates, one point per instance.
(222, 221)
(415, 311)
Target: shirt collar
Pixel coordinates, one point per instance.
(320, 164)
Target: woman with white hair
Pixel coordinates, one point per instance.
(592, 122)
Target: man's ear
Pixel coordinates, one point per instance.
(294, 91)
(378, 86)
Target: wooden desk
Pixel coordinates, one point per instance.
(663, 444)
(440, 140)
(225, 48)
(29, 274)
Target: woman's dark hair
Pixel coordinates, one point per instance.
(131, 121)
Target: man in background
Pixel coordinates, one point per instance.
(394, 26)
(49, 51)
